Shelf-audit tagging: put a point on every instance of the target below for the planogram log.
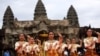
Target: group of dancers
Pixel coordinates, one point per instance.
(52, 47)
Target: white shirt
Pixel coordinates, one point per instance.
(20, 43)
(31, 47)
(74, 47)
(49, 43)
(89, 41)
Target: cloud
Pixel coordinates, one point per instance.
(88, 10)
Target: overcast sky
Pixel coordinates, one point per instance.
(88, 10)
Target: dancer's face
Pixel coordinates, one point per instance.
(31, 40)
(21, 37)
(51, 35)
(73, 41)
(68, 41)
(89, 32)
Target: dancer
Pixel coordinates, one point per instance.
(32, 49)
(19, 45)
(73, 47)
(50, 45)
(67, 49)
(60, 46)
(89, 43)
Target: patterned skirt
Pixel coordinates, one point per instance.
(52, 53)
(90, 52)
(73, 54)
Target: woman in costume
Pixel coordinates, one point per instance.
(66, 50)
(89, 43)
(73, 47)
(41, 53)
(50, 45)
(81, 50)
(19, 45)
(60, 46)
(32, 49)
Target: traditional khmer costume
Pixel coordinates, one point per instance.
(19, 47)
(89, 44)
(50, 47)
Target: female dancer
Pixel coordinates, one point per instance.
(73, 47)
(89, 43)
(19, 45)
(32, 49)
(66, 50)
(61, 46)
(50, 45)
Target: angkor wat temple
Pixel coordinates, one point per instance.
(41, 24)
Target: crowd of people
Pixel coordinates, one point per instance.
(89, 46)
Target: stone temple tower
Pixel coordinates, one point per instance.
(73, 22)
(72, 17)
(40, 11)
(8, 24)
(8, 18)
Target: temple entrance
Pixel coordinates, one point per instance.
(43, 35)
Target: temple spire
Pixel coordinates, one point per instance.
(72, 16)
(72, 13)
(40, 10)
(8, 18)
(8, 11)
(89, 25)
